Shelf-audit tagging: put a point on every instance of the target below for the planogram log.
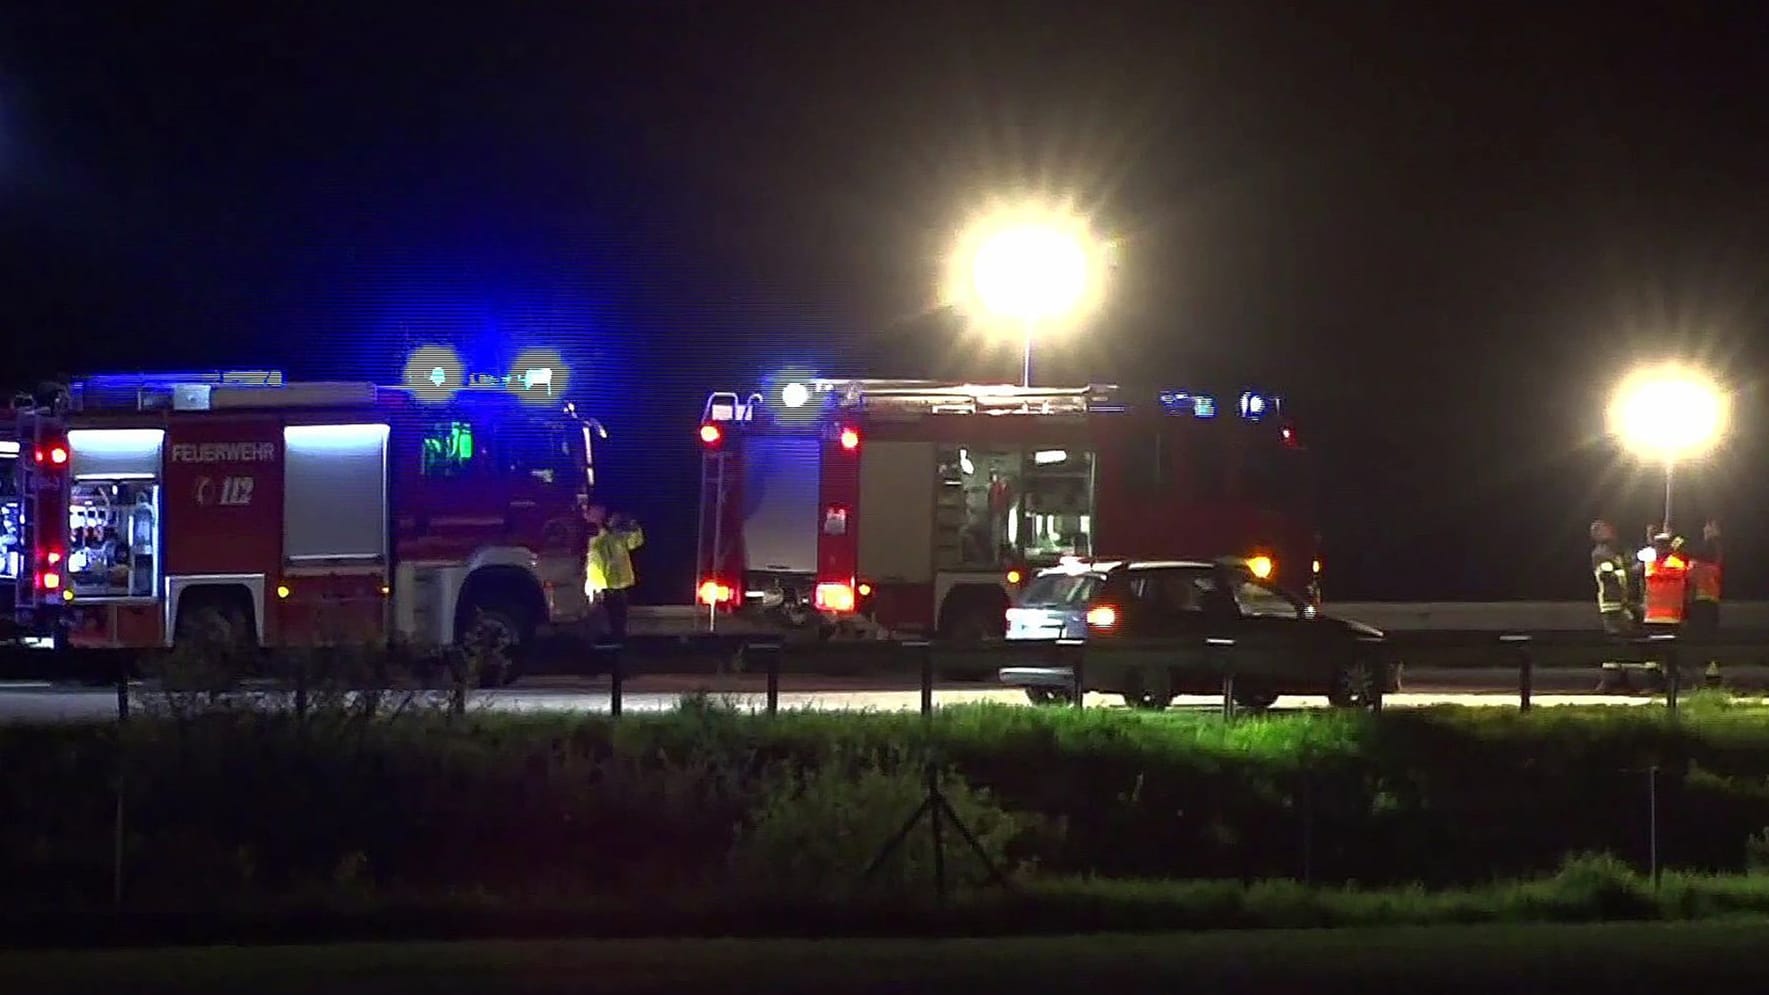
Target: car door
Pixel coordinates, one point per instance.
(1173, 625)
(1274, 637)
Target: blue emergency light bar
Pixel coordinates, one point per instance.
(1253, 405)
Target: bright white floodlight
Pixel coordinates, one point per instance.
(1028, 269)
(795, 394)
(1668, 414)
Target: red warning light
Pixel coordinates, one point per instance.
(850, 439)
(710, 434)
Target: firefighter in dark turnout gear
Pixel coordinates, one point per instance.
(1615, 599)
(1610, 567)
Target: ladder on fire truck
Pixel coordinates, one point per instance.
(29, 415)
(718, 485)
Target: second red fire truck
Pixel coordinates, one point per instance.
(920, 506)
(146, 509)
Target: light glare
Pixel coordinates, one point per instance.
(1669, 413)
(1027, 263)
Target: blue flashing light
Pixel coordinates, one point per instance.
(434, 372)
(1255, 406)
(1179, 402)
(539, 375)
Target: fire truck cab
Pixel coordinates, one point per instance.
(274, 513)
(922, 506)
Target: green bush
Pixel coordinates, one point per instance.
(816, 829)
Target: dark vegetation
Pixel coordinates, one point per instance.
(394, 810)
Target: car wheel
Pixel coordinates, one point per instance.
(1255, 699)
(1357, 684)
(1050, 696)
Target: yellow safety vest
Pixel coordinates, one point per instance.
(610, 563)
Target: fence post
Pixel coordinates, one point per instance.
(1220, 647)
(1652, 823)
(1074, 650)
(1526, 666)
(118, 835)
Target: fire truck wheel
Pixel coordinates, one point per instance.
(496, 631)
(214, 624)
(1255, 699)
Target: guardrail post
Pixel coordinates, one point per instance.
(616, 675)
(1668, 661)
(1219, 647)
(772, 652)
(1526, 666)
(1074, 651)
(924, 651)
(122, 669)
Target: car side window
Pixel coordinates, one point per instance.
(1171, 593)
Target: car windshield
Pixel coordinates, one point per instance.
(1261, 599)
(1060, 589)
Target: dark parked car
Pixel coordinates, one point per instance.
(1151, 630)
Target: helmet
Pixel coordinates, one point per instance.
(1601, 528)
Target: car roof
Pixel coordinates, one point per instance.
(1107, 566)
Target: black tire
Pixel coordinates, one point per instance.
(1356, 683)
(1148, 701)
(1255, 699)
(968, 627)
(1044, 696)
(499, 633)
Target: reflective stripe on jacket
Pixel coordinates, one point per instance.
(1611, 572)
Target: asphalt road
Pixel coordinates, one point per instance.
(43, 702)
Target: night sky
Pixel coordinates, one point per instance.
(1442, 236)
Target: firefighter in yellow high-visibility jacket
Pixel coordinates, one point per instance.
(610, 564)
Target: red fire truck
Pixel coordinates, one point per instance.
(920, 506)
(286, 513)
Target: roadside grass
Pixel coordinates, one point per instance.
(1586, 889)
(1614, 958)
